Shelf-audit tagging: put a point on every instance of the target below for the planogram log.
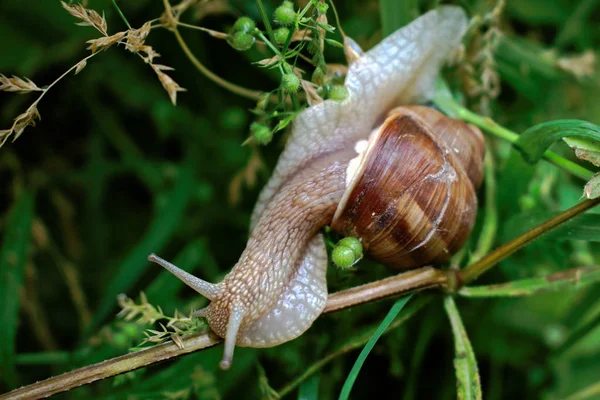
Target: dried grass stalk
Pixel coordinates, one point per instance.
(18, 85)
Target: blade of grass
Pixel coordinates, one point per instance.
(467, 373)
(355, 343)
(162, 227)
(13, 260)
(574, 278)
(394, 311)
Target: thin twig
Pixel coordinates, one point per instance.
(473, 271)
(242, 91)
(203, 340)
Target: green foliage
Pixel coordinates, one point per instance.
(113, 171)
(537, 139)
(467, 373)
(13, 261)
(387, 321)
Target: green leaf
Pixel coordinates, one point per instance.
(534, 142)
(467, 373)
(574, 278)
(394, 311)
(13, 260)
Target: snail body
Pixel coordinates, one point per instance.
(278, 288)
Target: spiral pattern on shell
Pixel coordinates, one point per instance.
(412, 200)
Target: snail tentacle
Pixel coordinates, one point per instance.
(206, 289)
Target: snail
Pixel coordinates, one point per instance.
(402, 179)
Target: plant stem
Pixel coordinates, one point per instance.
(112, 367)
(490, 221)
(473, 271)
(417, 306)
(250, 94)
(403, 283)
(114, 2)
(494, 128)
(203, 340)
(265, 18)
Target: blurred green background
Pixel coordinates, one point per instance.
(114, 171)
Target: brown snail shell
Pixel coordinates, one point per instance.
(411, 199)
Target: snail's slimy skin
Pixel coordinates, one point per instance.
(277, 288)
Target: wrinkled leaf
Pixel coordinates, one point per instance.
(465, 364)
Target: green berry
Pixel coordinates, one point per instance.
(241, 41)
(322, 8)
(353, 244)
(285, 14)
(338, 92)
(261, 133)
(280, 35)
(343, 257)
(290, 82)
(244, 24)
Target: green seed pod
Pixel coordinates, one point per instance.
(343, 257)
(285, 14)
(354, 244)
(338, 92)
(290, 82)
(244, 24)
(280, 35)
(241, 41)
(261, 133)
